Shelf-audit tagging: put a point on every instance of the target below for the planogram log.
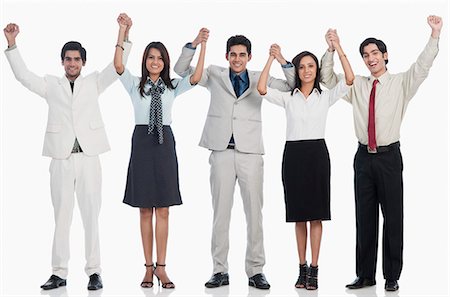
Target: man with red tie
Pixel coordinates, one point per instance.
(379, 103)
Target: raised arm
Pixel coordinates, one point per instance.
(348, 72)
(203, 38)
(28, 79)
(327, 75)
(288, 70)
(123, 20)
(264, 77)
(418, 71)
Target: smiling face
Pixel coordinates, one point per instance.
(238, 58)
(154, 63)
(73, 64)
(307, 70)
(374, 59)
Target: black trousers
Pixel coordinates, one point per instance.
(379, 182)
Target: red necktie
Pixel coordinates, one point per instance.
(371, 128)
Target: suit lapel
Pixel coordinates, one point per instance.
(64, 82)
(226, 80)
(77, 86)
(251, 82)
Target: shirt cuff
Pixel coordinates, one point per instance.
(189, 46)
(287, 65)
(11, 48)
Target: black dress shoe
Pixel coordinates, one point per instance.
(95, 282)
(391, 285)
(53, 283)
(259, 281)
(217, 280)
(360, 282)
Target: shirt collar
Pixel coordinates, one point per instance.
(382, 79)
(297, 90)
(243, 75)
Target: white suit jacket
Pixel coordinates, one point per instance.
(227, 114)
(70, 115)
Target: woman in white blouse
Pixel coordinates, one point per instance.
(152, 180)
(306, 163)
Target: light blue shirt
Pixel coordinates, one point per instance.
(141, 104)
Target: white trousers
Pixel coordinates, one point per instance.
(226, 167)
(82, 175)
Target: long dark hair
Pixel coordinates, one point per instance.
(296, 62)
(165, 73)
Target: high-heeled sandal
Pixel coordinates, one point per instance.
(169, 284)
(301, 281)
(148, 284)
(311, 278)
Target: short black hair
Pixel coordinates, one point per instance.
(379, 43)
(239, 40)
(73, 46)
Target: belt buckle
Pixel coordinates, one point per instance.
(371, 151)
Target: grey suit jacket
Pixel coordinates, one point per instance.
(227, 114)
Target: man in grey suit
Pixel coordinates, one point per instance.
(233, 134)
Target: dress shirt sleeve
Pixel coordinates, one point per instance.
(281, 84)
(327, 75)
(418, 71)
(182, 66)
(277, 97)
(129, 81)
(28, 79)
(339, 91)
(182, 85)
(108, 75)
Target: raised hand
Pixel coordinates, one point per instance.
(332, 39)
(275, 51)
(435, 23)
(11, 30)
(202, 37)
(122, 19)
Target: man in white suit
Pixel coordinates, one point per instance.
(233, 133)
(74, 138)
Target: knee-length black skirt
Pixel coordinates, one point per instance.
(152, 179)
(306, 180)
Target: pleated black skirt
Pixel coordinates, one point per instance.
(152, 179)
(306, 180)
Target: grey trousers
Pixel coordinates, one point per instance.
(226, 167)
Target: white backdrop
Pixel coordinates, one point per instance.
(26, 211)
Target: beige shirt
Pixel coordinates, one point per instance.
(393, 93)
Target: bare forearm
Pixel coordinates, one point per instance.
(197, 75)
(348, 72)
(118, 62)
(262, 82)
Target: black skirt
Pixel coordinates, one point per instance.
(152, 179)
(306, 180)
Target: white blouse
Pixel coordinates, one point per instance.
(306, 117)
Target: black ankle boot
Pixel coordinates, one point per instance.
(311, 278)
(301, 281)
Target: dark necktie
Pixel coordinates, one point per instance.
(371, 126)
(237, 85)
(71, 85)
(155, 117)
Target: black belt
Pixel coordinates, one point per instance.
(380, 149)
(230, 146)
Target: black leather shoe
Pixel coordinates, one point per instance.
(391, 285)
(53, 283)
(217, 280)
(360, 282)
(95, 282)
(259, 281)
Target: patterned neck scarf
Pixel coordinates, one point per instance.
(155, 118)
